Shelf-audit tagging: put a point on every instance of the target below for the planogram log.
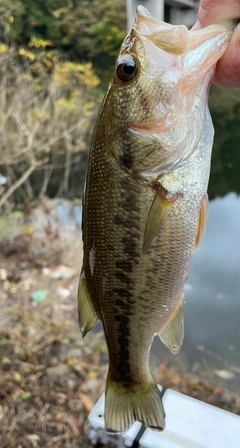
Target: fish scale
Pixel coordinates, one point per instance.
(145, 204)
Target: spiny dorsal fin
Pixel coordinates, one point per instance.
(202, 222)
(87, 315)
(160, 207)
(173, 331)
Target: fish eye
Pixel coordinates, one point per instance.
(127, 68)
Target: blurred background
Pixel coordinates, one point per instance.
(56, 59)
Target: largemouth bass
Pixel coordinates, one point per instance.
(145, 204)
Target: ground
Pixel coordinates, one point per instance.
(50, 377)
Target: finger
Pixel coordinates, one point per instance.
(216, 11)
(197, 26)
(227, 73)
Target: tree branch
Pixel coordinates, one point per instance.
(20, 181)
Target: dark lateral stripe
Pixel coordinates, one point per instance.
(123, 369)
(122, 276)
(124, 299)
(127, 223)
(128, 218)
(124, 265)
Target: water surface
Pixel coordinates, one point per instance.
(211, 345)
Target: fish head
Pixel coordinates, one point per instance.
(139, 91)
(159, 68)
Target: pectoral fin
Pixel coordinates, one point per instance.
(159, 209)
(203, 216)
(173, 331)
(87, 314)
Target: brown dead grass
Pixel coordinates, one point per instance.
(49, 378)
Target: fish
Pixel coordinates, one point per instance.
(145, 204)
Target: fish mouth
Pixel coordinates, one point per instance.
(156, 126)
(170, 38)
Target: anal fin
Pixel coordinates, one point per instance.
(202, 222)
(172, 333)
(159, 209)
(87, 314)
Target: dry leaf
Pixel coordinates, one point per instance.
(59, 272)
(92, 374)
(225, 374)
(33, 437)
(3, 274)
(17, 377)
(1, 413)
(60, 416)
(87, 402)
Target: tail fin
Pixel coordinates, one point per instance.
(123, 406)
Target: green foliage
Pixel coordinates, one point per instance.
(107, 32)
(44, 120)
(225, 111)
(35, 19)
(86, 30)
(10, 23)
(51, 52)
(106, 37)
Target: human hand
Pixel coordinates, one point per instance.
(227, 73)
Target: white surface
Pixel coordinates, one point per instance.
(189, 424)
(193, 424)
(94, 417)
